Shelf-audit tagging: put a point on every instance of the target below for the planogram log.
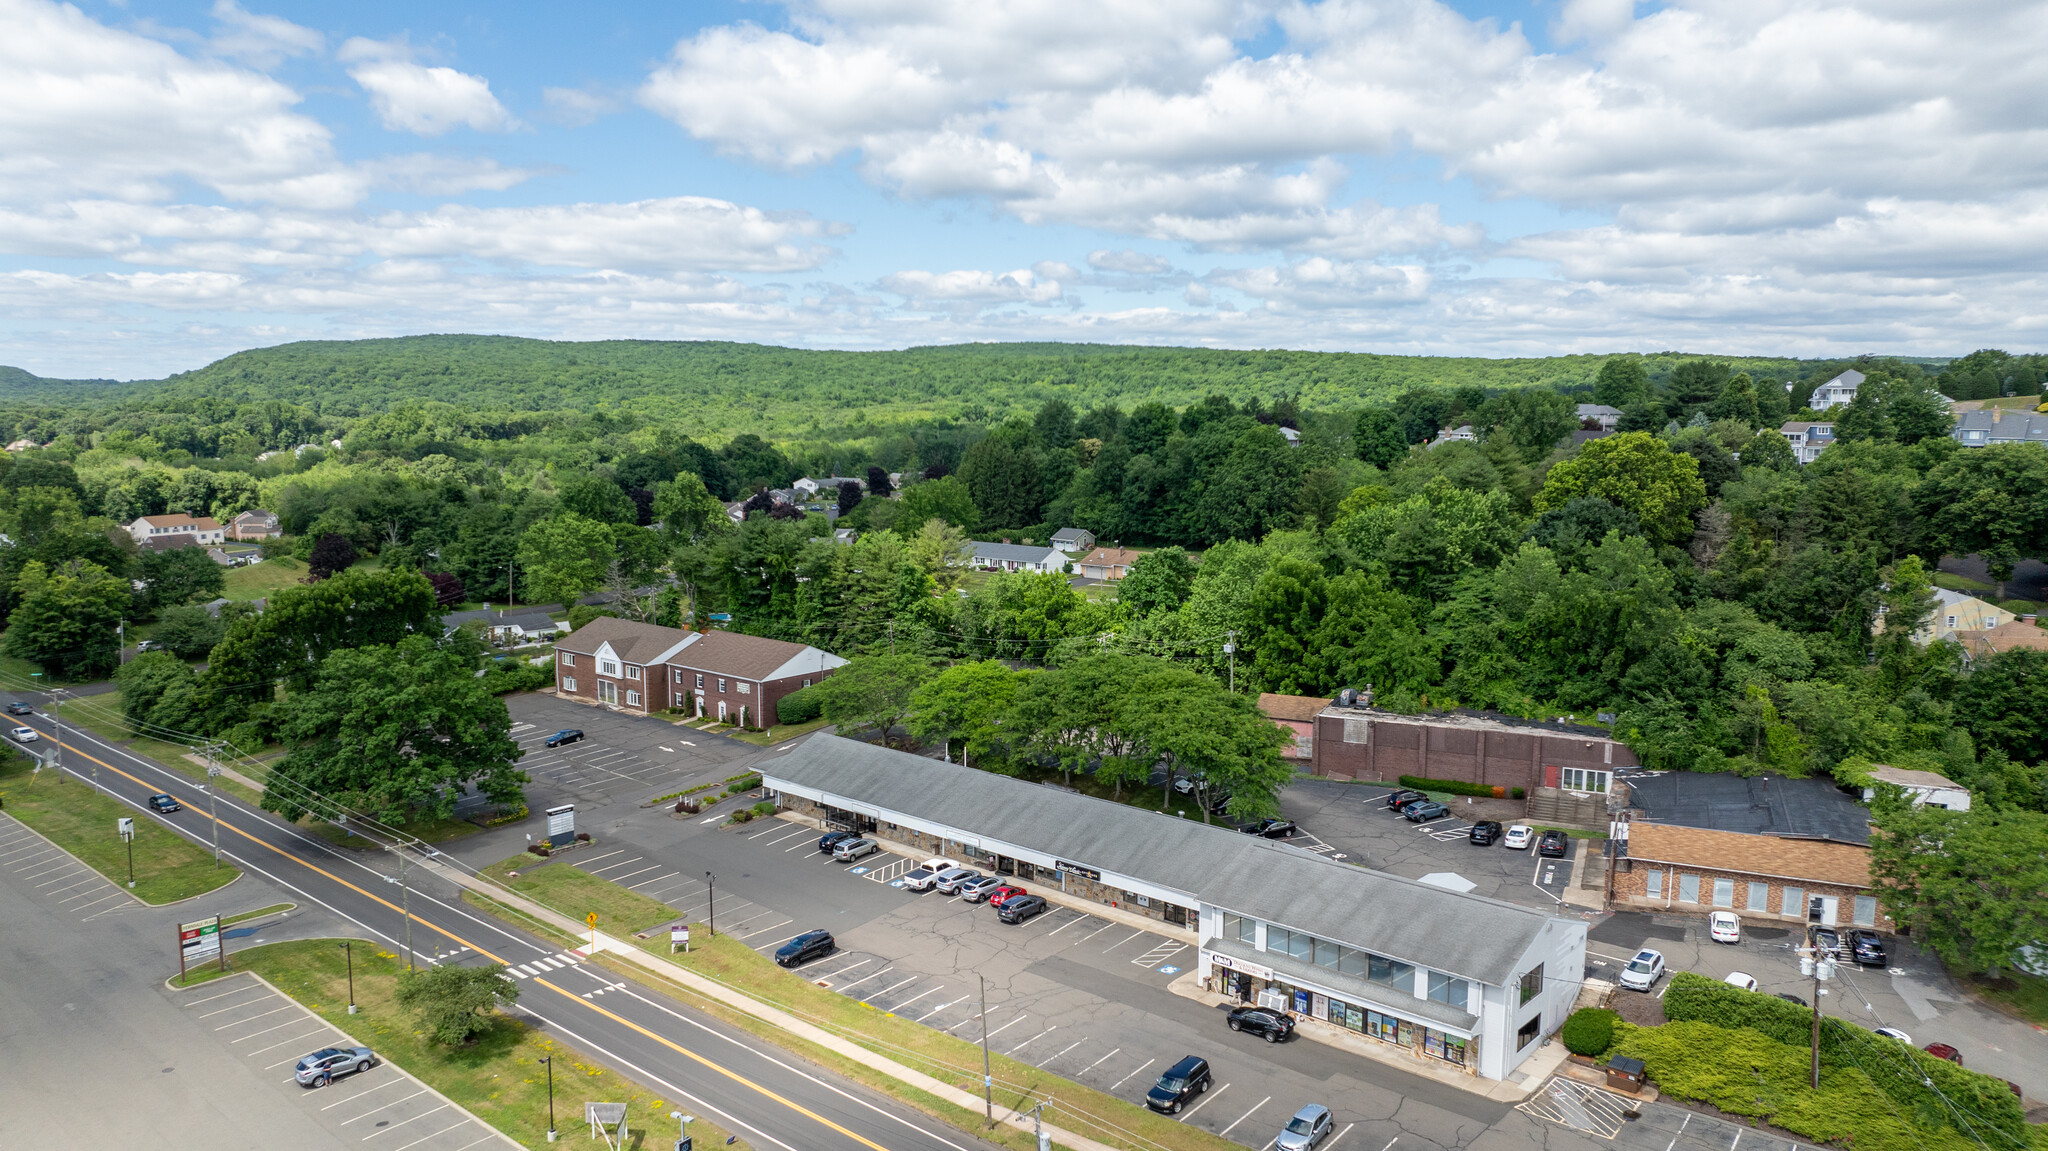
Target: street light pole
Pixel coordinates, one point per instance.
(1230, 649)
(548, 1061)
(682, 1129)
(405, 905)
(711, 912)
(348, 951)
(213, 803)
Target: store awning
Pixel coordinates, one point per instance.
(1349, 988)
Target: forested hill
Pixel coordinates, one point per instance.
(27, 387)
(728, 387)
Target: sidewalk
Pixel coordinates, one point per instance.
(762, 1011)
(1517, 1087)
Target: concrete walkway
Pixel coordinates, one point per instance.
(739, 1001)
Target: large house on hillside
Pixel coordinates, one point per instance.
(643, 668)
(177, 530)
(1839, 390)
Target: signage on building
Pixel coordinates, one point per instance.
(1249, 968)
(1077, 869)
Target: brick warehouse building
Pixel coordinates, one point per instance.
(1365, 743)
(643, 667)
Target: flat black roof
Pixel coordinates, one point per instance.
(1763, 805)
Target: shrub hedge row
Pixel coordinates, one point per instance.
(1913, 1081)
(1459, 787)
(800, 706)
(1589, 1031)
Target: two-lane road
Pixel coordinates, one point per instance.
(771, 1098)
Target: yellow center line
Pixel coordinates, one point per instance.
(570, 996)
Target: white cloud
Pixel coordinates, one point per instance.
(1128, 262)
(576, 106)
(258, 40)
(947, 290)
(425, 100)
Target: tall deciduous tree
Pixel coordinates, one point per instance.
(968, 702)
(1379, 437)
(872, 691)
(1635, 471)
(1992, 501)
(1621, 382)
(178, 576)
(454, 1002)
(397, 727)
(1158, 580)
(1002, 474)
(1973, 885)
(687, 511)
(333, 553)
(302, 626)
(565, 556)
(65, 619)
(1533, 419)
(945, 499)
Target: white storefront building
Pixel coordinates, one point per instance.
(1439, 974)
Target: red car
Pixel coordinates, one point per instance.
(1002, 894)
(1944, 1051)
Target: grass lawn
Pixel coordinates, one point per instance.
(1964, 584)
(498, 1078)
(779, 733)
(260, 581)
(576, 893)
(2018, 993)
(954, 1060)
(246, 916)
(72, 815)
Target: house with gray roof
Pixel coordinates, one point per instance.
(513, 625)
(1809, 438)
(1015, 557)
(1605, 415)
(1839, 390)
(1437, 974)
(1987, 426)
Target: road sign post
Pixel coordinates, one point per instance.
(198, 941)
(592, 920)
(125, 828)
(679, 937)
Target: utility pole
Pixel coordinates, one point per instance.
(548, 1061)
(349, 954)
(212, 798)
(1230, 649)
(1822, 968)
(1038, 1126)
(711, 914)
(988, 1080)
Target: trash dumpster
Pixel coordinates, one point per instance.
(1624, 1074)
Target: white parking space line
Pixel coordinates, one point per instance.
(1069, 923)
(613, 866)
(606, 855)
(243, 990)
(403, 1122)
(631, 874)
(939, 1008)
(898, 1009)
(360, 1094)
(1341, 1134)
(1092, 1066)
(265, 1031)
(1064, 1050)
(894, 986)
(1007, 1026)
(1246, 1115)
(280, 1043)
(656, 879)
(442, 1131)
(1033, 1039)
(1121, 942)
(770, 927)
(380, 1107)
(1131, 1072)
(1096, 932)
(252, 1018)
(262, 992)
(1190, 1112)
(848, 967)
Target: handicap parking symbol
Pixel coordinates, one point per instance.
(895, 883)
(1169, 970)
(858, 870)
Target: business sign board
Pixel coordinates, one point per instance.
(198, 942)
(561, 823)
(1252, 969)
(1077, 869)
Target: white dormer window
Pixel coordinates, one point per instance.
(1951, 621)
(607, 667)
(632, 672)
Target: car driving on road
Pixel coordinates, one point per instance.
(164, 803)
(324, 1066)
(23, 735)
(20, 708)
(566, 735)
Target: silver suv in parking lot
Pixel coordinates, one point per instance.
(852, 849)
(317, 1069)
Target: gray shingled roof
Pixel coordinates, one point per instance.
(1466, 935)
(1015, 553)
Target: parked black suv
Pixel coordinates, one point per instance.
(1263, 1021)
(1825, 940)
(1485, 832)
(1182, 1082)
(804, 948)
(832, 839)
(1553, 844)
(1868, 948)
(1403, 796)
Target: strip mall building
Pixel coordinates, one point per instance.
(1440, 974)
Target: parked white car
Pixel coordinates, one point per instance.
(1724, 927)
(1894, 1033)
(1740, 979)
(1644, 970)
(1518, 837)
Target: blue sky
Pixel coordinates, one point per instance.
(182, 180)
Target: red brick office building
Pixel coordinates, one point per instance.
(1365, 743)
(642, 668)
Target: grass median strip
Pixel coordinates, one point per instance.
(77, 818)
(259, 913)
(956, 1061)
(498, 1077)
(576, 893)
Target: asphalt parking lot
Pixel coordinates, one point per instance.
(56, 877)
(383, 1107)
(621, 756)
(1351, 821)
(1077, 994)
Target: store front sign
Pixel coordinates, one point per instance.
(1077, 869)
(1251, 969)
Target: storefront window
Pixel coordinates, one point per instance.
(1353, 962)
(1447, 989)
(1326, 954)
(1392, 972)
